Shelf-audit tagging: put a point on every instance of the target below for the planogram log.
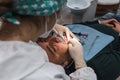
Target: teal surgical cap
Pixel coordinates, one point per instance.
(37, 7)
(34, 8)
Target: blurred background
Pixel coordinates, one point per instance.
(96, 9)
(79, 10)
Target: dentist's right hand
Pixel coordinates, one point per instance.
(60, 29)
(76, 52)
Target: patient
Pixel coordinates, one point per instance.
(56, 48)
(111, 20)
(113, 23)
(107, 62)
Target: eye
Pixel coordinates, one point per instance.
(41, 40)
(51, 33)
(57, 35)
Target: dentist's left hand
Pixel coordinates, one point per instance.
(61, 30)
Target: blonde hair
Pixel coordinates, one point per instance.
(29, 29)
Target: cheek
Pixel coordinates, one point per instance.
(43, 45)
(62, 49)
(61, 54)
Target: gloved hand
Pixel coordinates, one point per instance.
(76, 52)
(61, 30)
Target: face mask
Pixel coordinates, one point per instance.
(46, 33)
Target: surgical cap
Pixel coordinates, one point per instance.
(34, 8)
(37, 7)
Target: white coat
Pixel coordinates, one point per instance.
(24, 61)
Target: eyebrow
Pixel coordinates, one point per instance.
(58, 35)
(40, 39)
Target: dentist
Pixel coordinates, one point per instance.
(20, 60)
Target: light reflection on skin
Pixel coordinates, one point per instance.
(56, 49)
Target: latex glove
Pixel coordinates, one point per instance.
(61, 30)
(76, 52)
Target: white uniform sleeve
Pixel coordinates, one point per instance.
(85, 73)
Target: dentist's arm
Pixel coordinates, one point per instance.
(82, 71)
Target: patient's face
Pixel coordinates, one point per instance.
(56, 49)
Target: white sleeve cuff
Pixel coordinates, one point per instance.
(99, 21)
(85, 73)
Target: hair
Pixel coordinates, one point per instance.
(8, 30)
(29, 28)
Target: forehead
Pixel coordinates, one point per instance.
(57, 35)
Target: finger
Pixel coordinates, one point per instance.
(109, 21)
(110, 25)
(73, 41)
(70, 45)
(61, 33)
(73, 36)
(113, 19)
(116, 24)
(70, 41)
(55, 30)
(67, 32)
